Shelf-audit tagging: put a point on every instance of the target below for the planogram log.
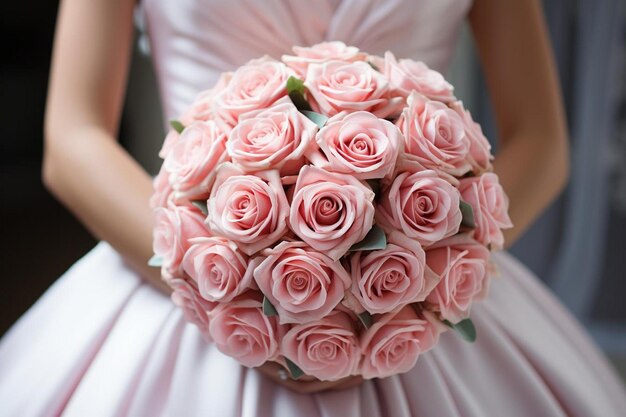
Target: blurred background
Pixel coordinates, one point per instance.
(578, 247)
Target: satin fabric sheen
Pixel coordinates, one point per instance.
(100, 342)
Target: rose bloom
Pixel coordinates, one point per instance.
(274, 138)
(408, 164)
(203, 107)
(171, 139)
(435, 135)
(163, 192)
(479, 155)
(337, 86)
(193, 158)
(319, 53)
(251, 210)
(360, 144)
(241, 330)
(394, 342)
(386, 279)
(302, 284)
(330, 211)
(218, 267)
(408, 75)
(462, 264)
(421, 205)
(174, 226)
(327, 349)
(253, 86)
(491, 208)
(195, 309)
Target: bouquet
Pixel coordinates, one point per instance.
(332, 211)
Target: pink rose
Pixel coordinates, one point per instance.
(218, 267)
(327, 349)
(203, 107)
(241, 330)
(421, 205)
(384, 280)
(319, 53)
(302, 284)
(163, 193)
(491, 208)
(462, 264)
(337, 86)
(435, 135)
(192, 160)
(359, 144)
(479, 155)
(195, 309)
(274, 138)
(406, 76)
(408, 164)
(251, 210)
(330, 211)
(395, 341)
(171, 139)
(253, 86)
(174, 226)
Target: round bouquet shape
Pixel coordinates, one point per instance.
(331, 210)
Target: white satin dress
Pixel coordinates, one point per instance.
(101, 342)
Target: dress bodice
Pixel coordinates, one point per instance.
(193, 41)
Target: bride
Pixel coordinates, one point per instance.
(106, 340)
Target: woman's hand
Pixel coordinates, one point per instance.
(305, 384)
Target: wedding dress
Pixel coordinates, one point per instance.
(101, 342)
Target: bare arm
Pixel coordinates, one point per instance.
(84, 165)
(532, 161)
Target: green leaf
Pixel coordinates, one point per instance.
(299, 101)
(367, 319)
(317, 118)
(465, 328)
(295, 89)
(268, 309)
(375, 239)
(468, 215)
(294, 369)
(177, 126)
(156, 261)
(295, 85)
(200, 205)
